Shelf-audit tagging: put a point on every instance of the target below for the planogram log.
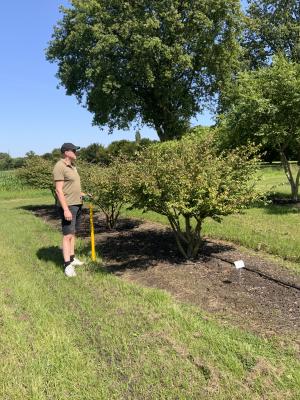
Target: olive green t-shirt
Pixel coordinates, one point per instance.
(71, 178)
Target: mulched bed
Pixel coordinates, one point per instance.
(145, 253)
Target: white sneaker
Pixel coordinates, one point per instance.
(76, 262)
(70, 271)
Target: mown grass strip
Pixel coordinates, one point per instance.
(96, 337)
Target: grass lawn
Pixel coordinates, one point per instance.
(273, 179)
(97, 337)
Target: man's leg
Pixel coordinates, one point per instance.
(72, 246)
(68, 247)
(77, 219)
(68, 230)
(75, 262)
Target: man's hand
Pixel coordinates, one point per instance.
(87, 197)
(68, 215)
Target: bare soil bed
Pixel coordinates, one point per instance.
(265, 300)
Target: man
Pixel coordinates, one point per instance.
(69, 199)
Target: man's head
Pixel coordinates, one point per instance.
(69, 150)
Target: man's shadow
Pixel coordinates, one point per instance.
(54, 255)
(51, 253)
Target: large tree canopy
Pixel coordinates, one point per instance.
(151, 61)
(273, 27)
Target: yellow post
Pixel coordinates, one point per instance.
(92, 233)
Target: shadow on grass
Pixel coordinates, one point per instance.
(282, 205)
(144, 249)
(51, 253)
(48, 211)
(54, 254)
(279, 205)
(283, 209)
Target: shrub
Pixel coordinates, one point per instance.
(109, 186)
(37, 173)
(188, 181)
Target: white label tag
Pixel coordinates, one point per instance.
(239, 264)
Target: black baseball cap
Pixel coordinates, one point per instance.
(68, 146)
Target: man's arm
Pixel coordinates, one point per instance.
(61, 197)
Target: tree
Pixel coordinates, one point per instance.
(273, 26)
(152, 61)
(47, 156)
(6, 162)
(265, 107)
(95, 153)
(18, 162)
(145, 142)
(138, 137)
(30, 154)
(187, 181)
(122, 147)
(56, 154)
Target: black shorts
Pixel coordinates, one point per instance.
(71, 227)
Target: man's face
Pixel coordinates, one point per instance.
(71, 154)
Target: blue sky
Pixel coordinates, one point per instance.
(35, 115)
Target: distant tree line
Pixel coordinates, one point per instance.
(98, 154)
(7, 162)
(95, 153)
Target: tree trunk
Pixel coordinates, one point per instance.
(188, 241)
(294, 182)
(168, 127)
(111, 215)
